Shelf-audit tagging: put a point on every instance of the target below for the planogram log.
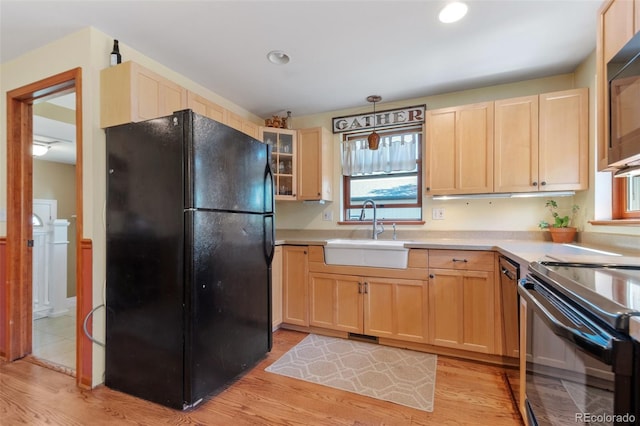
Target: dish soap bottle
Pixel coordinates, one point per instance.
(116, 58)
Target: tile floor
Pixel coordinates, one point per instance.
(54, 339)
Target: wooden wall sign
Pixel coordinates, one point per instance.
(381, 119)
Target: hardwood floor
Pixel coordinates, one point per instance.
(466, 393)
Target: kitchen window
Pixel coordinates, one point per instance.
(390, 175)
(626, 197)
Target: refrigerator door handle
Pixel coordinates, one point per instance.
(269, 238)
(268, 185)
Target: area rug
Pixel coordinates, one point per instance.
(398, 375)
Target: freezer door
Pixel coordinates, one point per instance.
(227, 169)
(230, 324)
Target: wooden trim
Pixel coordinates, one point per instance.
(3, 298)
(618, 222)
(84, 346)
(16, 337)
(619, 200)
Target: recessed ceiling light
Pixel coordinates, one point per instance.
(278, 57)
(453, 12)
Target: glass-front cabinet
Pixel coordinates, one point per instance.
(283, 160)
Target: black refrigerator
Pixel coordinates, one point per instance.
(189, 243)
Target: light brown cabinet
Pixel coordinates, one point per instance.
(132, 93)
(315, 152)
(542, 142)
(295, 294)
(205, 107)
(618, 22)
(237, 122)
(516, 144)
(462, 300)
(276, 288)
(383, 307)
(459, 150)
(284, 164)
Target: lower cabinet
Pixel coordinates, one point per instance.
(462, 300)
(295, 295)
(381, 307)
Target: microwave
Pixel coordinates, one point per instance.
(623, 75)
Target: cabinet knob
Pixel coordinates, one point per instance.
(432, 276)
(543, 183)
(535, 183)
(428, 188)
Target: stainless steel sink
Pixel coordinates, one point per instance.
(373, 253)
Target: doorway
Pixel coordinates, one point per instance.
(17, 295)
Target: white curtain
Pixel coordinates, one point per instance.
(395, 153)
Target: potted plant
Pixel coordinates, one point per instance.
(560, 229)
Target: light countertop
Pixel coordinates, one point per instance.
(521, 251)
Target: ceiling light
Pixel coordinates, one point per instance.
(452, 12)
(278, 57)
(374, 138)
(39, 150)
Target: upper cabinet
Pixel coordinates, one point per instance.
(302, 162)
(315, 155)
(459, 150)
(284, 147)
(516, 144)
(619, 22)
(526, 144)
(541, 142)
(205, 107)
(618, 25)
(132, 93)
(564, 141)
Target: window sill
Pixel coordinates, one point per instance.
(616, 222)
(384, 222)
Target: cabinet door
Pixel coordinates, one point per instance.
(284, 146)
(295, 271)
(636, 13)
(315, 152)
(205, 107)
(396, 309)
(516, 145)
(155, 96)
(276, 288)
(618, 21)
(459, 150)
(440, 170)
(564, 140)
(461, 306)
(475, 149)
(336, 302)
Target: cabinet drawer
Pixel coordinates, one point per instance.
(462, 259)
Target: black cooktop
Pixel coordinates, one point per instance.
(610, 292)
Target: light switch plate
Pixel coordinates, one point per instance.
(437, 214)
(327, 215)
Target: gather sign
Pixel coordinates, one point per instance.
(381, 119)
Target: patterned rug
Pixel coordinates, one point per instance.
(398, 375)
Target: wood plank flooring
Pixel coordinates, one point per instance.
(466, 393)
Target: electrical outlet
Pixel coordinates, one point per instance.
(437, 214)
(327, 215)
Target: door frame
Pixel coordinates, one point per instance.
(18, 286)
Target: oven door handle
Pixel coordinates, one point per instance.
(586, 335)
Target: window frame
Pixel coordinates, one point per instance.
(619, 200)
(346, 180)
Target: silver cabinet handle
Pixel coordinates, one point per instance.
(459, 260)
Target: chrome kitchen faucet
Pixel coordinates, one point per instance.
(375, 231)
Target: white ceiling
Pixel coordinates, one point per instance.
(341, 51)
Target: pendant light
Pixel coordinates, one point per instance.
(374, 138)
